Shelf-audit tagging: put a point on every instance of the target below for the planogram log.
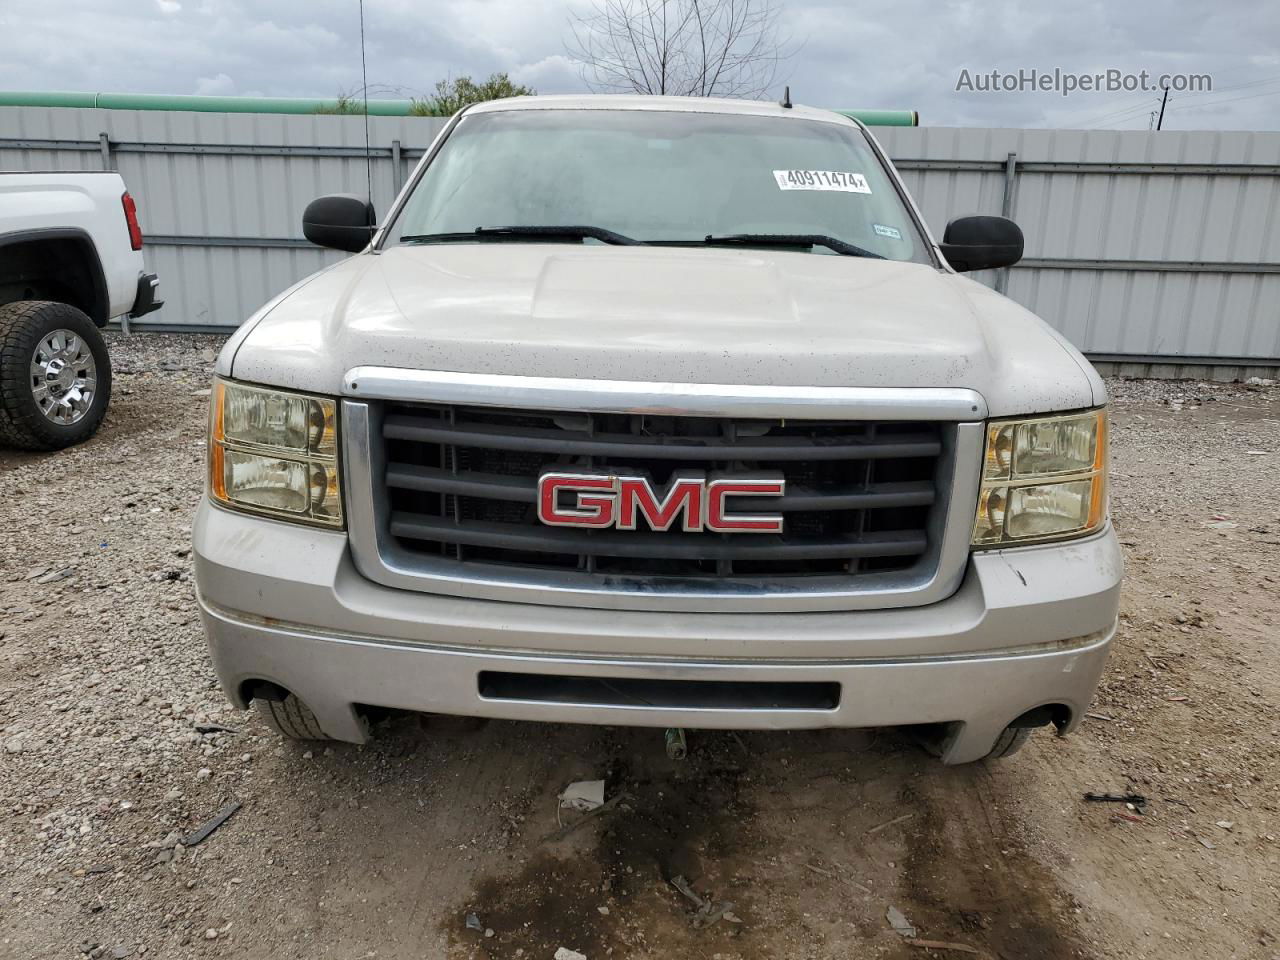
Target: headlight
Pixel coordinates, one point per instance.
(1043, 479)
(275, 453)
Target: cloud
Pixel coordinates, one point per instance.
(554, 74)
(852, 53)
(218, 86)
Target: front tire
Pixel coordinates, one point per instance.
(1010, 741)
(290, 718)
(55, 375)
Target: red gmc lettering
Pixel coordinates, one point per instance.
(613, 501)
(722, 522)
(683, 496)
(590, 510)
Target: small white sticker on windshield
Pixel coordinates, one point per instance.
(838, 180)
(883, 231)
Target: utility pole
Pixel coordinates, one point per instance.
(1163, 101)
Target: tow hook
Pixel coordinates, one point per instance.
(677, 747)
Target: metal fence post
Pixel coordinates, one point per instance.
(397, 176)
(1006, 210)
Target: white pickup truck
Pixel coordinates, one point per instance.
(666, 412)
(70, 260)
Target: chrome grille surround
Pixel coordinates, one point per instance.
(375, 394)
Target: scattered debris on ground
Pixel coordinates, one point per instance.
(583, 795)
(890, 823)
(214, 728)
(707, 911)
(899, 923)
(565, 829)
(201, 833)
(1134, 801)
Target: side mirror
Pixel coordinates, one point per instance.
(342, 221)
(980, 243)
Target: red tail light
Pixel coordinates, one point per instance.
(131, 219)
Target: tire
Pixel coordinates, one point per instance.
(25, 327)
(290, 718)
(1010, 741)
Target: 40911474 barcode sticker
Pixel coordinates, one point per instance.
(837, 180)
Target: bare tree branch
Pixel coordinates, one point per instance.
(707, 48)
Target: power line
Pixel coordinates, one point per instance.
(1125, 114)
(1132, 109)
(1200, 104)
(1238, 86)
(1131, 114)
(1143, 103)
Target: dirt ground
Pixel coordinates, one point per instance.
(384, 851)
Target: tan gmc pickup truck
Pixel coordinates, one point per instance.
(663, 412)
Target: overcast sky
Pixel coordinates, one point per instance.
(906, 54)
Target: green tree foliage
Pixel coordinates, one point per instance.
(454, 94)
(347, 103)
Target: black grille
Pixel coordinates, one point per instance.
(462, 484)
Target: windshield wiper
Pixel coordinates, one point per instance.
(791, 240)
(526, 233)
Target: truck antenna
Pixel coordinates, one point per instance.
(786, 97)
(364, 82)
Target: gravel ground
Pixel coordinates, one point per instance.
(115, 744)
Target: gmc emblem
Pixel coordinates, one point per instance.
(695, 503)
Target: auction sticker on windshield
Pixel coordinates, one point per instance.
(821, 180)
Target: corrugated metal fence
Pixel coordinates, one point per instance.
(1150, 248)
(1140, 245)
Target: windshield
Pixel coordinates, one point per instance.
(659, 176)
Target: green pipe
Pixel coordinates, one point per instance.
(22, 98)
(377, 108)
(164, 101)
(883, 118)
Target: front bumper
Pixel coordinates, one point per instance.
(1026, 628)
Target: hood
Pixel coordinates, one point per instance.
(660, 314)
